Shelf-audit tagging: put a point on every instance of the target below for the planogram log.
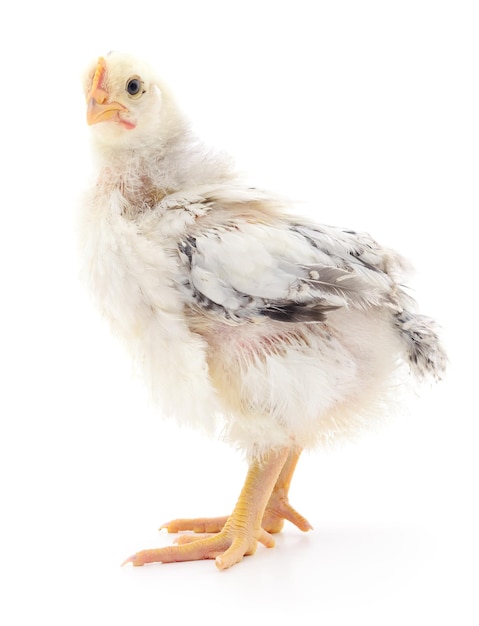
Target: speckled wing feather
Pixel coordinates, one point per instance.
(286, 271)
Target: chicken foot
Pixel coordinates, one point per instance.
(277, 510)
(242, 531)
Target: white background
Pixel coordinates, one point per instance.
(367, 112)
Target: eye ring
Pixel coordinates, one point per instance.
(134, 87)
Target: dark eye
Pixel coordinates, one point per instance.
(134, 87)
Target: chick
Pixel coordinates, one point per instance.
(278, 332)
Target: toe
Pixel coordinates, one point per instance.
(234, 554)
(280, 510)
(183, 539)
(197, 525)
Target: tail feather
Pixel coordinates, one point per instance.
(425, 353)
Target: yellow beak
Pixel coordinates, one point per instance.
(99, 109)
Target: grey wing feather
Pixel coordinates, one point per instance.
(288, 272)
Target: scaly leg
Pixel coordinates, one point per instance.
(242, 530)
(277, 510)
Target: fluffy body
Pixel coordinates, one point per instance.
(243, 318)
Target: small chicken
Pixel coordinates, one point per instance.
(277, 332)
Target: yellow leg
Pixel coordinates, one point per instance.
(241, 532)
